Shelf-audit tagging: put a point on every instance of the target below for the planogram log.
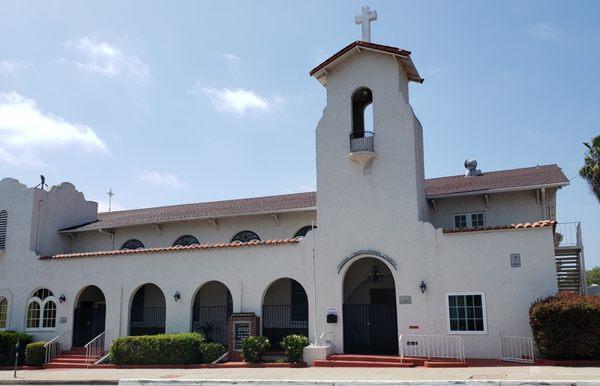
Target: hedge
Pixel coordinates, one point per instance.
(164, 349)
(211, 352)
(8, 339)
(294, 347)
(567, 326)
(253, 347)
(35, 354)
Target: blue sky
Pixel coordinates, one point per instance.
(192, 101)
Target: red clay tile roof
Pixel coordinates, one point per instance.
(527, 225)
(488, 182)
(514, 179)
(203, 210)
(194, 247)
(403, 55)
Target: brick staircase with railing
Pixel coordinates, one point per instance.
(74, 358)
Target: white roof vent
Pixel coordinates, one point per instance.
(471, 166)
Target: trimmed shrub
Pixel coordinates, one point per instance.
(294, 347)
(567, 326)
(253, 347)
(211, 351)
(8, 339)
(35, 354)
(164, 349)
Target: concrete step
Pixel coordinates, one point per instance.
(70, 360)
(65, 366)
(356, 363)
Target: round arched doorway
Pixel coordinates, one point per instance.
(89, 315)
(211, 309)
(369, 309)
(284, 311)
(147, 315)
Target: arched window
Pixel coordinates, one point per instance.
(3, 227)
(3, 312)
(245, 236)
(186, 240)
(361, 99)
(41, 309)
(302, 232)
(133, 244)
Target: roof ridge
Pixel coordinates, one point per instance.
(496, 171)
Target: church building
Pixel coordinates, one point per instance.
(376, 253)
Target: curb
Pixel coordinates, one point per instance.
(57, 382)
(242, 382)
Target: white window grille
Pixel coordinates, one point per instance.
(469, 220)
(466, 313)
(3, 228)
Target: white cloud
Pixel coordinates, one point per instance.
(9, 67)
(163, 179)
(232, 57)
(543, 31)
(105, 59)
(24, 130)
(237, 101)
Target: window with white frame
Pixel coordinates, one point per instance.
(465, 313)
(41, 310)
(3, 312)
(469, 220)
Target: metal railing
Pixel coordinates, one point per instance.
(95, 348)
(54, 347)
(362, 141)
(516, 349)
(568, 234)
(211, 321)
(279, 321)
(432, 346)
(147, 320)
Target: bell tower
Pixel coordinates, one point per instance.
(370, 175)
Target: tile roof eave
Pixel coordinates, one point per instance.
(492, 191)
(520, 226)
(194, 247)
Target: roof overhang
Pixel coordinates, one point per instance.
(402, 56)
(179, 220)
(494, 191)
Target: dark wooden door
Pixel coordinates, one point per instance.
(88, 322)
(370, 329)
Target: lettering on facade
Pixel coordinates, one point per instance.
(368, 252)
(241, 330)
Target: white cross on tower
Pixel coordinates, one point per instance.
(365, 18)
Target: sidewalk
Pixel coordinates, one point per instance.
(305, 375)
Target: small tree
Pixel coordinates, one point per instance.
(593, 276)
(590, 171)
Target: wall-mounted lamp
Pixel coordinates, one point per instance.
(177, 296)
(62, 298)
(423, 287)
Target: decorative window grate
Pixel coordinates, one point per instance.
(245, 236)
(3, 312)
(133, 244)
(3, 228)
(186, 240)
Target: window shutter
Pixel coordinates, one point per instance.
(3, 225)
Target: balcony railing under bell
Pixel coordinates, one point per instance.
(362, 141)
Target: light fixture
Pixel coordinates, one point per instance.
(177, 296)
(62, 298)
(423, 287)
(375, 275)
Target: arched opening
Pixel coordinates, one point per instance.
(284, 311)
(133, 244)
(89, 315)
(147, 316)
(41, 310)
(244, 237)
(211, 309)
(186, 240)
(302, 232)
(369, 309)
(362, 118)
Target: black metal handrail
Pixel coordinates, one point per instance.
(362, 141)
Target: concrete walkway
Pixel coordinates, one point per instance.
(307, 376)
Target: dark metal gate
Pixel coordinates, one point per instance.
(88, 323)
(370, 329)
(211, 321)
(282, 320)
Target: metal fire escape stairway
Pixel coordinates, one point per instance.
(570, 264)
